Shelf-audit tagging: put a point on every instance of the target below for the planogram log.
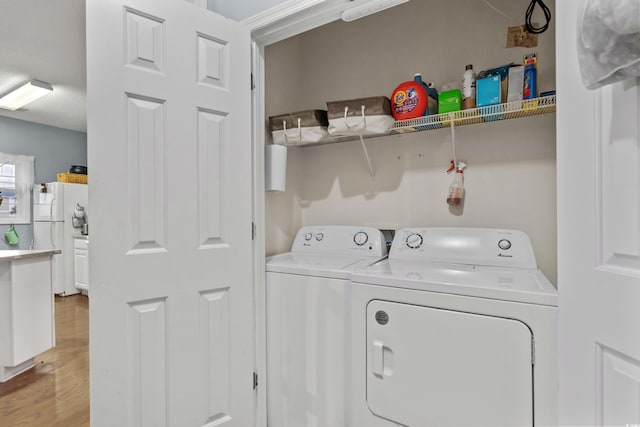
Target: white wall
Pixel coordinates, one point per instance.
(510, 179)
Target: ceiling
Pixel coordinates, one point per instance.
(45, 40)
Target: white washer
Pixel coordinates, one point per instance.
(456, 328)
(308, 302)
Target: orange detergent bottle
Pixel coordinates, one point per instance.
(409, 100)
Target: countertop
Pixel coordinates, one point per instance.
(9, 255)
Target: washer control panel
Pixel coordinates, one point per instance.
(340, 240)
(474, 246)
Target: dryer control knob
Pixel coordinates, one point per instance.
(414, 241)
(504, 244)
(319, 237)
(307, 236)
(360, 238)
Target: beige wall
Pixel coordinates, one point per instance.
(510, 180)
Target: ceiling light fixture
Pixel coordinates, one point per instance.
(369, 8)
(25, 94)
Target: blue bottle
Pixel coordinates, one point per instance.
(530, 88)
(432, 106)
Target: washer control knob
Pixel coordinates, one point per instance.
(414, 240)
(360, 238)
(504, 244)
(308, 236)
(319, 237)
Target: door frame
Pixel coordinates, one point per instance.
(281, 22)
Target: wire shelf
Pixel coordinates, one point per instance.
(506, 111)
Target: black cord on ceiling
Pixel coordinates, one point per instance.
(547, 16)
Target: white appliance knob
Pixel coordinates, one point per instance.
(504, 244)
(414, 240)
(319, 237)
(307, 236)
(360, 238)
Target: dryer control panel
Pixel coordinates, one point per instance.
(340, 240)
(472, 246)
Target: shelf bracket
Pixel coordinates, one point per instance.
(366, 155)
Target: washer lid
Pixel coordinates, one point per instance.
(320, 265)
(508, 284)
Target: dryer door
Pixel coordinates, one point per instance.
(435, 367)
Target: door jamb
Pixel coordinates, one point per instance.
(281, 22)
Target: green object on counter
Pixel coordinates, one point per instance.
(12, 236)
(449, 101)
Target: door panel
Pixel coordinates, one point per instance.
(598, 138)
(618, 178)
(147, 170)
(430, 366)
(171, 256)
(620, 376)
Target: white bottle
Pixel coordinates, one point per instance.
(468, 88)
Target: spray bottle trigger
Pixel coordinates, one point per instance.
(452, 167)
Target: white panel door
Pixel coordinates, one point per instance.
(170, 194)
(435, 367)
(598, 138)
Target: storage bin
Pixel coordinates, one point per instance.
(301, 127)
(361, 116)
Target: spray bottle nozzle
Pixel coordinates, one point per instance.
(451, 167)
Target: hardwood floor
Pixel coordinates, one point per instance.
(56, 391)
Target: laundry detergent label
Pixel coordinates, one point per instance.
(408, 101)
(405, 101)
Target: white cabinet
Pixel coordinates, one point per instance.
(26, 309)
(81, 263)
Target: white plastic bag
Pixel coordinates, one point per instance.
(609, 41)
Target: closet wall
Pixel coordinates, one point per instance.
(510, 180)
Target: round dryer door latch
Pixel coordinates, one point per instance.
(382, 317)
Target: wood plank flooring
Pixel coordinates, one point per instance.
(56, 391)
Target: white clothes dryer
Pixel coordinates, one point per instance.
(456, 328)
(308, 303)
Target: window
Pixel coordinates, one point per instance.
(16, 180)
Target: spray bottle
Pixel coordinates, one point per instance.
(456, 189)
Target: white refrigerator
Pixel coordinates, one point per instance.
(53, 228)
